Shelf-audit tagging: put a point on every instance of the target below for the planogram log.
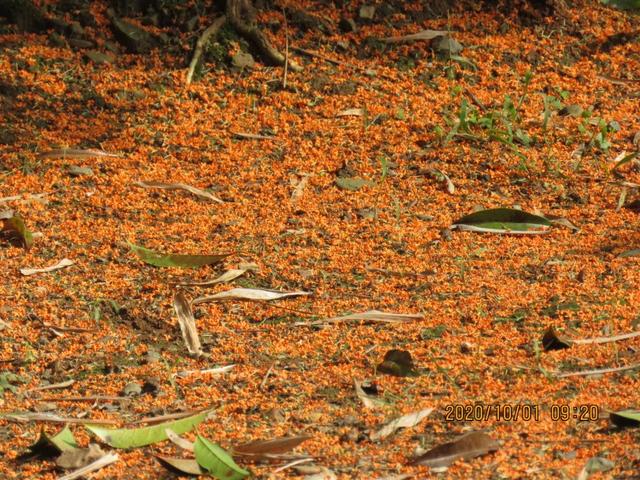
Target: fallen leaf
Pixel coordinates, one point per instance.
(187, 323)
(76, 153)
(630, 253)
(79, 457)
(551, 340)
(65, 262)
(450, 186)
(625, 418)
(266, 449)
(352, 183)
(180, 186)
(139, 437)
(102, 462)
(373, 316)
(211, 371)
(186, 466)
(251, 294)
(503, 220)
(619, 162)
(351, 112)
(217, 461)
(426, 35)
(13, 224)
(227, 276)
(397, 363)
(175, 260)
(468, 446)
(595, 465)
(177, 440)
(49, 446)
(252, 136)
(368, 401)
(299, 186)
(406, 421)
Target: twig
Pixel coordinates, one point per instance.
(311, 53)
(597, 371)
(45, 417)
(201, 43)
(53, 386)
(266, 376)
(615, 338)
(90, 398)
(286, 50)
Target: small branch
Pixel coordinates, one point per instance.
(286, 50)
(254, 35)
(615, 338)
(597, 371)
(201, 44)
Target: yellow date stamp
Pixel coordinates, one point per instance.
(514, 412)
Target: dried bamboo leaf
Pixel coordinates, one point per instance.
(351, 112)
(227, 276)
(65, 262)
(76, 153)
(373, 316)
(426, 35)
(367, 400)
(406, 421)
(179, 186)
(466, 447)
(250, 294)
(187, 323)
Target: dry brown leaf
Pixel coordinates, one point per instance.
(466, 447)
(177, 440)
(367, 400)
(76, 153)
(187, 323)
(252, 136)
(65, 262)
(351, 112)
(299, 185)
(179, 186)
(426, 35)
(227, 276)
(374, 316)
(268, 449)
(406, 421)
(79, 457)
(102, 462)
(450, 186)
(251, 294)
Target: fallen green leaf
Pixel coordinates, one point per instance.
(14, 225)
(174, 260)
(630, 253)
(139, 437)
(216, 460)
(625, 418)
(351, 183)
(50, 446)
(503, 220)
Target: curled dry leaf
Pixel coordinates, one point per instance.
(425, 35)
(79, 457)
(187, 323)
(186, 466)
(177, 440)
(373, 316)
(250, 294)
(468, 446)
(367, 400)
(227, 276)
(76, 153)
(180, 186)
(252, 136)
(268, 449)
(65, 262)
(13, 225)
(406, 421)
(351, 112)
(101, 462)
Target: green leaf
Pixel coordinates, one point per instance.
(14, 225)
(172, 260)
(139, 437)
(630, 253)
(625, 418)
(217, 461)
(351, 183)
(50, 446)
(503, 220)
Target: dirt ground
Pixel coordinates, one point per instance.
(362, 166)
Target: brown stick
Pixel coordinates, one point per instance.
(201, 43)
(598, 371)
(615, 338)
(255, 36)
